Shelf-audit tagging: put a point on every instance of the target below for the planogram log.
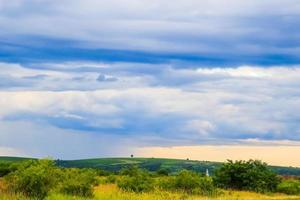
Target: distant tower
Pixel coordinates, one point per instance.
(207, 172)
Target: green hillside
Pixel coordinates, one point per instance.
(151, 164)
(13, 159)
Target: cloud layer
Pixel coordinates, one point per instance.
(152, 104)
(209, 31)
(146, 73)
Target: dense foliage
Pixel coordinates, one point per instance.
(33, 178)
(135, 180)
(289, 187)
(6, 168)
(36, 178)
(163, 172)
(252, 175)
(77, 182)
(189, 182)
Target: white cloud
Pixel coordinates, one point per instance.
(163, 107)
(166, 103)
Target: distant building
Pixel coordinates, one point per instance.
(207, 172)
(131, 155)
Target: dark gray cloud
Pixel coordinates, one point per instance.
(104, 78)
(153, 72)
(207, 32)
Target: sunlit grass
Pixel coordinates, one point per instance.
(111, 192)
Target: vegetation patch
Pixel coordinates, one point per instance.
(289, 187)
(43, 179)
(252, 175)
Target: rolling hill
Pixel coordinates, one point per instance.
(151, 164)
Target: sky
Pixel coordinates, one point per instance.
(201, 79)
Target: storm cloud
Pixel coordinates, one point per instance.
(147, 74)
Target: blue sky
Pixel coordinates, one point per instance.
(91, 78)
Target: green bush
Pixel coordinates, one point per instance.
(7, 167)
(249, 175)
(37, 178)
(135, 180)
(77, 182)
(101, 172)
(188, 182)
(130, 171)
(163, 172)
(33, 179)
(4, 168)
(192, 182)
(291, 187)
(111, 179)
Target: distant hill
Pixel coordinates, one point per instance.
(151, 164)
(14, 159)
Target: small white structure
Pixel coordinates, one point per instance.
(207, 172)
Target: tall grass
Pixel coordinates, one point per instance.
(111, 192)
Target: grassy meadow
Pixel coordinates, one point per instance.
(107, 192)
(112, 192)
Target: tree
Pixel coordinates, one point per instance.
(163, 172)
(33, 178)
(252, 175)
(291, 187)
(36, 178)
(78, 182)
(135, 180)
(192, 182)
(4, 169)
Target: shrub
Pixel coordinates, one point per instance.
(130, 171)
(111, 179)
(189, 182)
(135, 180)
(291, 187)
(7, 167)
(77, 182)
(101, 172)
(4, 168)
(162, 172)
(193, 183)
(249, 175)
(33, 179)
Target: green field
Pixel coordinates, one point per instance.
(151, 164)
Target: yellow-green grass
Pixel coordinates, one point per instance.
(111, 192)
